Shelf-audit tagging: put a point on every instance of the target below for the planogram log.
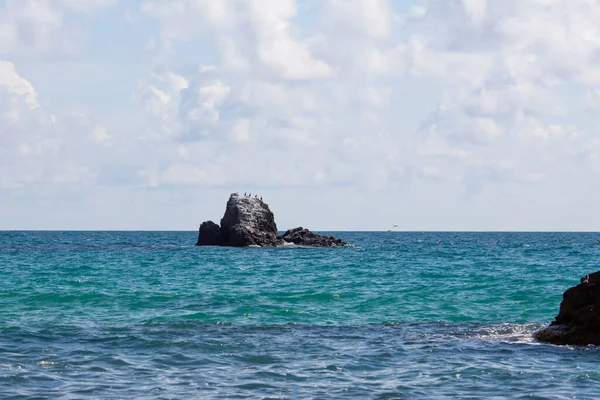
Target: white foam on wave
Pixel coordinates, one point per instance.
(509, 333)
(45, 363)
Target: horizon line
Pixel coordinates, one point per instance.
(314, 230)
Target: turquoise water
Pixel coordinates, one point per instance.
(402, 315)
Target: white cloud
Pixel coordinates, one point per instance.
(370, 17)
(37, 148)
(513, 64)
(29, 25)
(37, 28)
(275, 46)
(16, 85)
(100, 134)
(241, 131)
(183, 19)
(157, 102)
(476, 9)
(245, 30)
(498, 93)
(209, 99)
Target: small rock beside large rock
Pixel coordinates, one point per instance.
(209, 235)
(578, 320)
(248, 221)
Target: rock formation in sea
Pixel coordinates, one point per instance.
(209, 235)
(248, 221)
(304, 237)
(578, 320)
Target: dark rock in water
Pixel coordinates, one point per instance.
(578, 321)
(304, 237)
(209, 235)
(248, 221)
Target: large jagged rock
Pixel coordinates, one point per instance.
(248, 221)
(304, 237)
(578, 320)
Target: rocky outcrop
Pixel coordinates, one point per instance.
(304, 237)
(578, 320)
(209, 235)
(248, 221)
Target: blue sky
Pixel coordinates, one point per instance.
(342, 114)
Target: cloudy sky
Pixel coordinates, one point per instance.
(342, 114)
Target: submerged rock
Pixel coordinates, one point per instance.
(578, 320)
(304, 237)
(248, 221)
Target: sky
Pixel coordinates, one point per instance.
(341, 114)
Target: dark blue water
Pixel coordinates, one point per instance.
(402, 315)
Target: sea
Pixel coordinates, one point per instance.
(402, 315)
